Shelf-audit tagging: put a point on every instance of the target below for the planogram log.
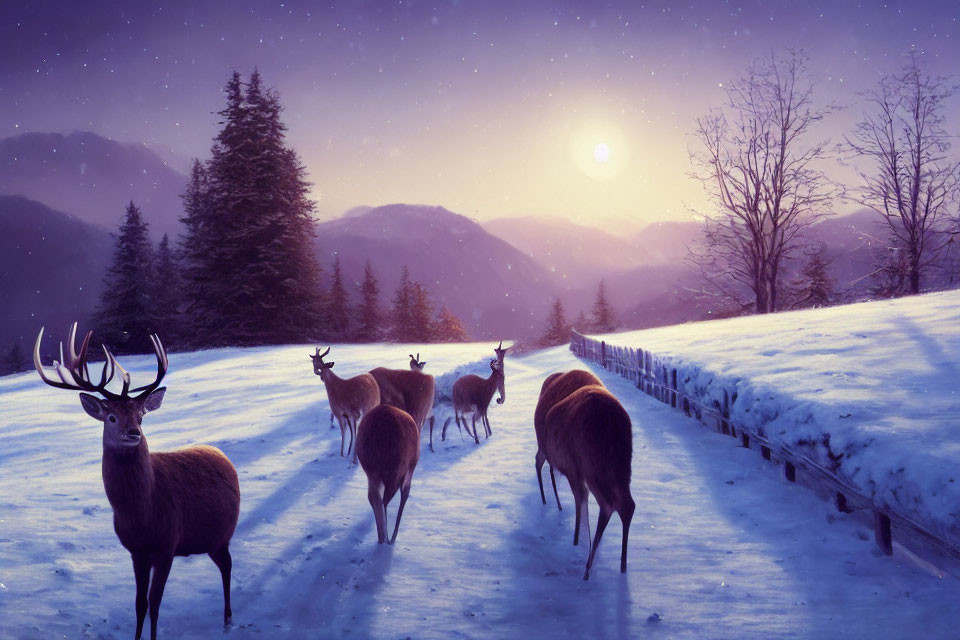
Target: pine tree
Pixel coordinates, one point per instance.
(421, 315)
(449, 328)
(369, 329)
(339, 305)
(402, 305)
(124, 317)
(603, 321)
(199, 272)
(815, 287)
(166, 294)
(251, 275)
(581, 324)
(557, 330)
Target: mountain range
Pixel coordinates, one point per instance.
(93, 178)
(499, 277)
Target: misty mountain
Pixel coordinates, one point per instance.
(51, 270)
(574, 254)
(93, 178)
(495, 289)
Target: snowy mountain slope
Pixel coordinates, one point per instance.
(869, 390)
(719, 547)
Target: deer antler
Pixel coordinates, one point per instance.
(74, 374)
(320, 355)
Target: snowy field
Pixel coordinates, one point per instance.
(720, 547)
(870, 390)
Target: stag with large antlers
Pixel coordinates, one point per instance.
(349, 398)
(412, 391)
(166, 504)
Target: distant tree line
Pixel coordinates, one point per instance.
(557, 329)
(244, 271)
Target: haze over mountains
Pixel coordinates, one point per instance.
(499, 278)
(92, 178)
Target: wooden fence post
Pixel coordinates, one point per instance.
(673, 387)
(882, 533)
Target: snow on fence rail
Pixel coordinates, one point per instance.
(657, 376)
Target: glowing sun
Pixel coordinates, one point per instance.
(601, 152)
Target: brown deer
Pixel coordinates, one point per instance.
(412, 391)
(173, 503)
(589, 439)
(349, 398)
(472, 394)
(388, 447)
(555, 388)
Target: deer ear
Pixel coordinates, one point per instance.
(153, 401)
(330, 365)
(93, 405)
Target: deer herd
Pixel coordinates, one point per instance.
(187, 501)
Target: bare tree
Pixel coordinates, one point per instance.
(910, 179)
(757, 164)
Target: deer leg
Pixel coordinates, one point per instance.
(578, 505)
(141, 572)
(486, 424)
(332, 426)
(538, 463)
(431, 433)
(404, 494)
(553, 480)
(605, 513)
(161, 570)
(353, 437)
(475, 438)
(626, 515)
(343, 434)
(443, 431)
(379, 510)
(221, 557)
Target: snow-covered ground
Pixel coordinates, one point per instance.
(720, 546)
(868, 389)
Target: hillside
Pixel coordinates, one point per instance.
(495, 289)
(866, 389)
(51, 269)
(718, 547)
(93, 178)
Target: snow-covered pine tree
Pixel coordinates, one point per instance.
(166, 294)
(252, 277)
(557, 330)
(339, 305)
(402, 330)
(603, 319)
(369, 329)
(449, 328)
(815, 288)
(421, 315)
(124, 319)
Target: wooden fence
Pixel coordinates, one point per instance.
(655, 376)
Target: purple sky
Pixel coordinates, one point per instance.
(491, 108)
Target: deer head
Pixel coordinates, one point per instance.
(121, 413)
(416, 364)
(319, 366)
(497, 369)
(500, 351)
